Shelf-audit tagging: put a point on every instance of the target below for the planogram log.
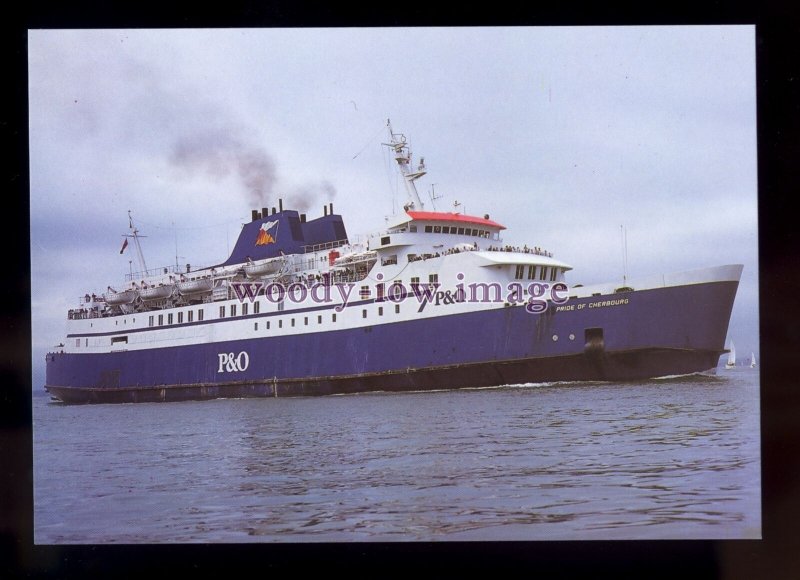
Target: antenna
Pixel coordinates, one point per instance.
(432, 193)
(623, 231)
(175, 231)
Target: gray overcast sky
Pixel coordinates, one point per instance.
(560, 134)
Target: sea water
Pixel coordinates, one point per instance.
(671, 458)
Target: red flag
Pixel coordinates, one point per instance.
(124, 245)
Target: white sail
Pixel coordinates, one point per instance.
(731, 357)
(752, 360)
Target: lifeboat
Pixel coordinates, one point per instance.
(155, 293)
(355, 257)
(192, 287)
(264, 267)
(117, 298)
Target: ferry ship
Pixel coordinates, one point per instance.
(434, 300)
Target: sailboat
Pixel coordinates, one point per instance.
(752, 360)
(731, 357)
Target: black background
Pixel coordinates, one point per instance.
(778, 78)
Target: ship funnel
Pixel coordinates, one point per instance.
(331, 210)
(324, 210)
(302, 218)
(264, 212)
(273, 210)
(280, 204)
(255, 215)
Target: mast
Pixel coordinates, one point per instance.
(135, 235)
(402, 154)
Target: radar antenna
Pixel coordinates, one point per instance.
(402, 154)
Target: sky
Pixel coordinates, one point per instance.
(562, 134)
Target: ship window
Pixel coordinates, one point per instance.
(412, 257)
(412, 228)
(333, 317)
(150, 321)
(468, 232)
(531, 272)
(86, 342)
(319, 319)
(256, 307)
(244, 309)
(397, 309)
(180, 317)
(474, 232)
(380, 310)
(281, 306)
(267, 324)
(255, 326)
(385, 240)
(519, 272)
(553, 273)
(437, 229)
(414, 281)
(77, 342)
(200, 314)
(364, 293)
(445, 229)
(160, 319)
(433, 278)
(543, 273)
(233, 309)
(116, 323)
(222, 312)
(116, 339)
(460, 231)
(169, 318)
(305, 321)
(364, 313)
(190, 315)
(280, 324)
(292, 321)
(428, 229)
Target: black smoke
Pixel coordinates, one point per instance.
(220, 154)
(304, 197)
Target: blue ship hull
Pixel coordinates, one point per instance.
(657, 332)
